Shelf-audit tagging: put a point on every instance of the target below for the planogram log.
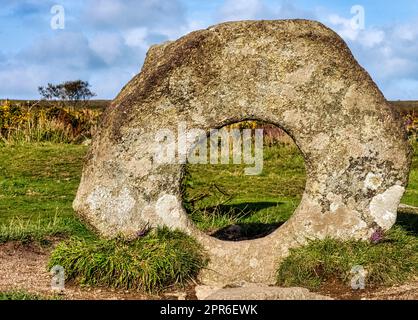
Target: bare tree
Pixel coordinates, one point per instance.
(72, 92)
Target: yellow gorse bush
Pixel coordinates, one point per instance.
(11, 116)
(32, 123)
(411, 122)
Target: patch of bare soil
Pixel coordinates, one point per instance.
(23, 267)
(340, 291)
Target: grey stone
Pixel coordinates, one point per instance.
(257, 292)
(296, 74)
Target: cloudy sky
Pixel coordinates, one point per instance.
(105, 41)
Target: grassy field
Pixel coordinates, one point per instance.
(91, 104)
(42, 146)
(38, 183)
(39, 179)
(411, 194)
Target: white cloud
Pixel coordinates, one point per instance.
(22, 81)
(106, 41)
(344, 27)
(68, 49)
(371, 37)
(389, 54)
(407, 32)
(368, 37)
(105, 11)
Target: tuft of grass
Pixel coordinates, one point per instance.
(391, 261)
(42, 230)
(160, 259)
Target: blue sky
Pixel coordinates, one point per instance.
(105, 41)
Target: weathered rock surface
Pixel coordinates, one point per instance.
(296, 74)
(254, 291)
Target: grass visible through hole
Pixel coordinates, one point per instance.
(219, 196)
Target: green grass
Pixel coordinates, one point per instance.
(23, 295)
(220, 195)
(161, 259)
(41, 231)
(38, 183)
(411, 194)
(391, 261)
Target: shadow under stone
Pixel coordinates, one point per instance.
(244, 209)
(245, 231)
(409, 222)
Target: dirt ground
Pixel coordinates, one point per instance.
(23, 267)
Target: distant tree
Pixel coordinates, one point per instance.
(72, 92)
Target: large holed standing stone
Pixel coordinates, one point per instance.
(296, 74)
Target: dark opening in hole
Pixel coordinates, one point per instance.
(227, 204)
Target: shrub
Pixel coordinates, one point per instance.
(411, 125)
(26, 123)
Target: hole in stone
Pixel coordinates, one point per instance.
(227, 204)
